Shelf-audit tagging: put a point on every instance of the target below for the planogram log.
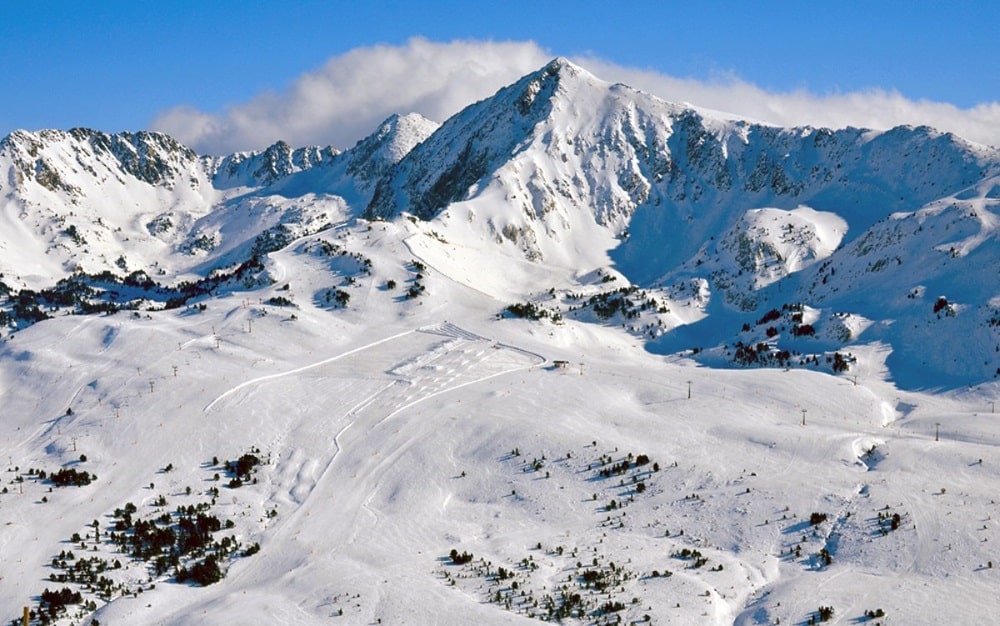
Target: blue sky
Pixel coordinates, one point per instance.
(117, 65)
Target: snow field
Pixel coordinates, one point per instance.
(369, 434)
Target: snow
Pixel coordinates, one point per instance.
(393, 429)
(369, 422)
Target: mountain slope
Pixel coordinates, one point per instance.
(576, 354)
(387, 437)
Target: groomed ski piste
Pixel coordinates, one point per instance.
(393, 431)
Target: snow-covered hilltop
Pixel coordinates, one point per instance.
(449, 369)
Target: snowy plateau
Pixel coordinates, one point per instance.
(575, 354)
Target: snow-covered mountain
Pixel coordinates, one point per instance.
(560, 149)
(571, 172)
(88, 201)
(334, 367)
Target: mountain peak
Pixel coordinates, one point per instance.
(562, 65)
(560, 71)
(276, 162)
(400, 133)
(479, 138)
(374, 155)
(51, 158)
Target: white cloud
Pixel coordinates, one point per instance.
(346, 99)
(877, 109)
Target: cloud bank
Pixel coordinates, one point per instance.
(345, 99)
(877, 109)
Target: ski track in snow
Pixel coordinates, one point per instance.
(463, 360)
(299, 370)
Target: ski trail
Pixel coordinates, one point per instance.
(299, 370)
(356, 484)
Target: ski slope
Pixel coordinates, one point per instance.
(387, 442)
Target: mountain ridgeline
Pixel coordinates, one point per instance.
(852, 236)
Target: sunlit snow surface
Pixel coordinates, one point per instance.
(388, 433)
(401, 411)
